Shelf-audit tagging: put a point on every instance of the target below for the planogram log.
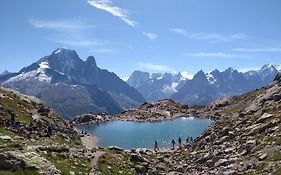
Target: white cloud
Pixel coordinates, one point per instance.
(107, 6)
(154, 67)
(61, 25)
(151, 36)
(187, 75)
(265, 49)
(213, 54)
(179, 31)
(212, 37)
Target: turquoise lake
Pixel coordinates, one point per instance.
(128, 135)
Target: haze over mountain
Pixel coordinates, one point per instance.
(72, 86)
(204, 88)
(155, 86)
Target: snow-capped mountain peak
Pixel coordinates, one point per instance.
(278, 67)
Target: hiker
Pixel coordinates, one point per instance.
(13, 118)
(50, 131)
(179, 142)
(156, 146)
(2, 121)
(187, 140)
(173, 143)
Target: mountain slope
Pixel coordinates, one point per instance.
(73, 86)
(27, 146)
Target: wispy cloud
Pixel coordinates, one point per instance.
(150, 35)
(213, 54)
(60, 25)
(212, 37)
(68, 32)
(154, 67)
(121, 13)
(108, 6)
(264, 49)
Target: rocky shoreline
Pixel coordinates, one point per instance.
(152, 112)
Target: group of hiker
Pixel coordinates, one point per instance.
(173, 142)
(35, 126)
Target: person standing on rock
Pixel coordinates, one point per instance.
(187, 140)
(49, 131)
(156, 146)
(179, 142)
(173, 143)
(13, 118)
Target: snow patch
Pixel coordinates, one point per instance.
(44, 65)
(169, 90)
(278, 67)
(186, 75)
(41, 74)
(57, 51)
(211, 78)
(22, 76)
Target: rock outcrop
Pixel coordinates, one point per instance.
(35, 140)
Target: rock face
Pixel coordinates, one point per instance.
(72, 86)
(28, 160)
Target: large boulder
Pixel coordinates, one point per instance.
(14, 159)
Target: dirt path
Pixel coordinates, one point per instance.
(89, 141)
(94, 163)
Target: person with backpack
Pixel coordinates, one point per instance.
(173, 143)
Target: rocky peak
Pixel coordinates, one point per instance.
(230, 69)
(5, 72)
(91, 61)
(200, 76)
(267, 66)
(138, 74)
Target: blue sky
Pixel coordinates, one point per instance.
(150, 35)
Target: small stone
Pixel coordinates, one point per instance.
(263, 156)
(276, 97)
(6, 138)
(221, 162)
(140, 169)
(71, 173)
(264, 117)
(230, 172)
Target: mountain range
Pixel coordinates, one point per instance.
(203, 88)
(72, 86)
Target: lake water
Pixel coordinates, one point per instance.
(129, 135)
